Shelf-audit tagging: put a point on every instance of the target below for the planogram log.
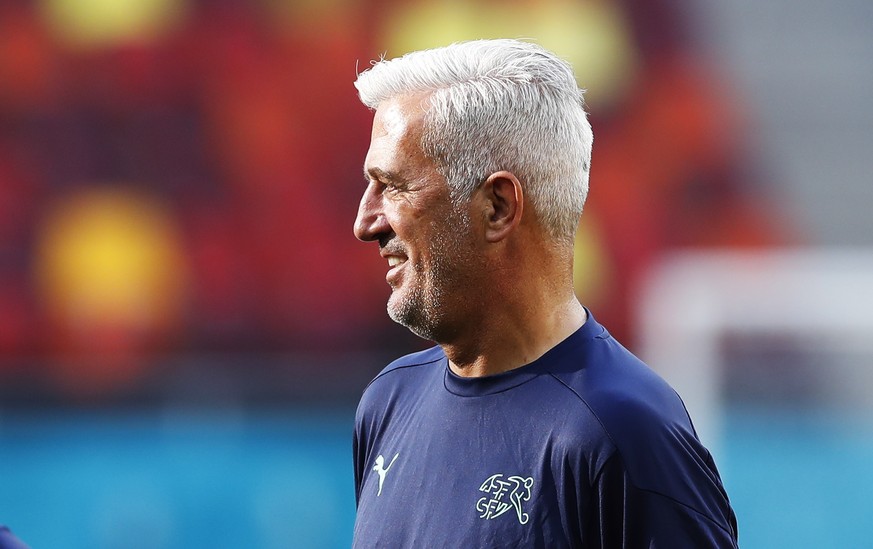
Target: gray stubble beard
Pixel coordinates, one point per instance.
(423, 310)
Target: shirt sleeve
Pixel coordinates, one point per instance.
(633, 518)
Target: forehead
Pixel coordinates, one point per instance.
(400, 115)
(396, 135)
(397, 116)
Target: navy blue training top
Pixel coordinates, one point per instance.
(584, 447)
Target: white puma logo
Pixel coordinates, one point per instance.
(381, 470)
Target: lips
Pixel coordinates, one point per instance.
(392, 251)
(395, 262)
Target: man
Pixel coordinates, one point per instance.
(527, 425)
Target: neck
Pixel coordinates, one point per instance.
(523, 305)
(515, 336)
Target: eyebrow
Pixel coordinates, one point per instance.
(378, 173)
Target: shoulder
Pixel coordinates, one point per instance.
(427, 357)
(655, 443)
(407, 368)
(619, 388)
(639, 411)
(402, 377)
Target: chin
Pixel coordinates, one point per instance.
(409, 314)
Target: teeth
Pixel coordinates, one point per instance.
(393, 261)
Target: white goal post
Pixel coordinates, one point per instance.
(690, 300)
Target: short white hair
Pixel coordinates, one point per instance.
(498, 105)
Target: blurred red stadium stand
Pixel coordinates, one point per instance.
(241, 118)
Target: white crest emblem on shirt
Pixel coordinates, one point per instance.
(503, 495)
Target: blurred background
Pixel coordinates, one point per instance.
(186, 321)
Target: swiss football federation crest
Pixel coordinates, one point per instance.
(504, 494)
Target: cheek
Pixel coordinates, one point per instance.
(409, 223)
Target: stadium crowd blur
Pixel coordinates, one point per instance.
(178, 178)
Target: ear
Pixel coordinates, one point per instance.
(503, 201)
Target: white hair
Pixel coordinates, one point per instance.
(498, 105)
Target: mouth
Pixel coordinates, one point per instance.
(395, 262)
(392, 251)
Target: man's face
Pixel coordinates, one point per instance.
(406, 207)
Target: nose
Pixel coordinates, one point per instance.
(371, 223)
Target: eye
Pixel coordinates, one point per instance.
(393, 187)
(385, 185)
